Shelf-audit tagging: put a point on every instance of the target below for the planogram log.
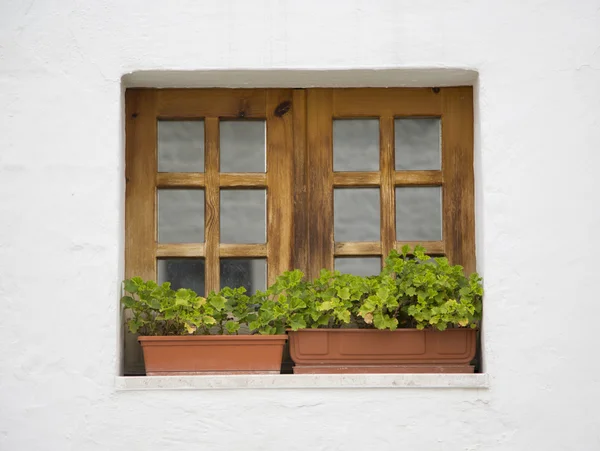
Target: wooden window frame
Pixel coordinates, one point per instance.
(299, 178)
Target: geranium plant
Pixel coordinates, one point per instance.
(157, 309)
(413, 290)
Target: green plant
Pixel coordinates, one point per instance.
(412, 290)
(160, 310)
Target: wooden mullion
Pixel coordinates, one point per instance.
(180, 180)
(280, 170)
(227, 250)
(353, 248)
(180, 250)
(300, 254)
(235, 180)
(212, 205)
(457, 167)
(320, 183)
(418, 178)
(387, 188)
(356, 179)
(140, 194)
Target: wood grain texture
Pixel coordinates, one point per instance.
(180, 250)
(387, 189)
(360, 179)
(211, 205)
(457, 165)
(349, 248)
(140, 191)
(219, 103)
(280, 174)
(320, 182)
(180, 180)
(242, 250)
(242, 180)
(300, 158)
(140, 205)
(418, 178)
(395, 102)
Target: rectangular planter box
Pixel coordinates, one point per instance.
(316, 351)
(212, 354)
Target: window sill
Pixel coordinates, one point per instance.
(468, 381)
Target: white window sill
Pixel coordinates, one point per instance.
(288, 381)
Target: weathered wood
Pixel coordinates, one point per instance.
(360, 179)
(387, 189)
(280, 174)
(349, 248)
(180, 180)
(375, 102)
(418, 178)
(300, 178)
(218, 103)
(140, 191)
(242, 250)
(180, 250)
(320, 187)
(242, 180)
(457, 165)
(212, 206)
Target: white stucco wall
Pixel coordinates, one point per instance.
(61, 216)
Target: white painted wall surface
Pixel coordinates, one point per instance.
(61, 216)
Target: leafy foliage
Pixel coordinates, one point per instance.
(160, 310)
(413, 290)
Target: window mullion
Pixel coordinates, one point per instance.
(212, 205)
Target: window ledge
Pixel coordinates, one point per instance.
(284, 381)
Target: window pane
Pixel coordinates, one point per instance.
(181, 146)
(242, 146)
(182, 273)
(356, 145)
(180, 216)
(418, 144)
(249, 273)
(359, 266)
(419, 213)
(356, 214)
(243, 216)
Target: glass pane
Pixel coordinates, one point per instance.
(418, 144)
(356, 214)
(356, 145)
(180, 216)
(359, 266)
(242, 146)
(249, 273)
(419, 213)
(181, 146)
(182, 273)
(243, 216)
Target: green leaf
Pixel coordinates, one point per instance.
(130, 286)
(344, 293)
(128, 301)
(218, 302)
(232, 327)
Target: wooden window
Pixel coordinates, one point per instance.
(347, 174)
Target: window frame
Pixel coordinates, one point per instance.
(299, 178)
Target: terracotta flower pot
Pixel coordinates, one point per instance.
(212, 354)
(316, 351)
